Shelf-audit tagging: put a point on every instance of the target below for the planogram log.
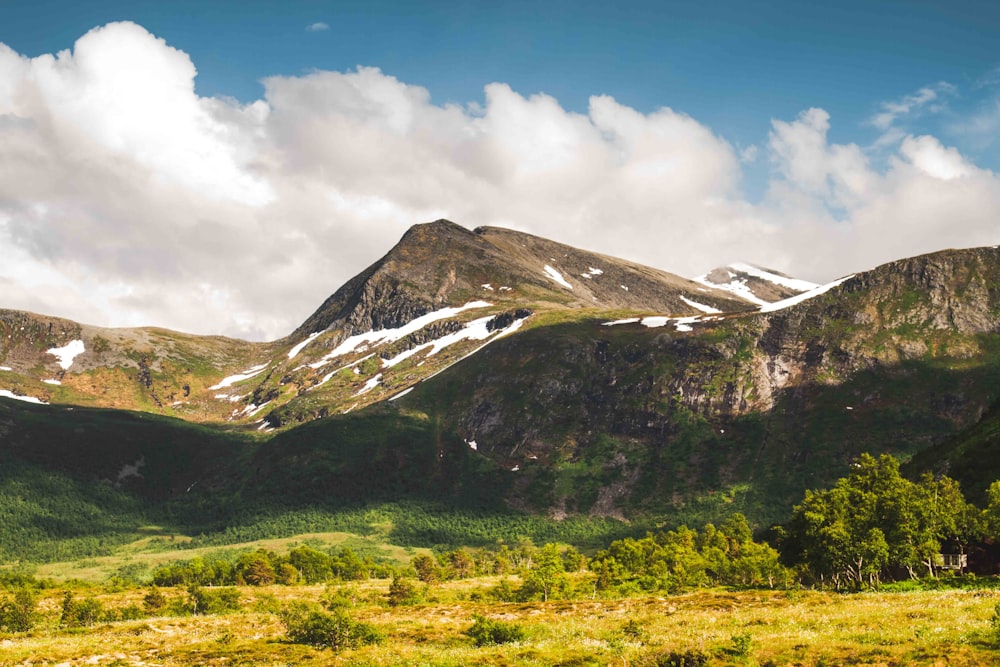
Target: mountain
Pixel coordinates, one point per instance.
(439, 294)
(755, 284)
(496, 370)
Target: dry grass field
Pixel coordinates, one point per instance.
(712, 627)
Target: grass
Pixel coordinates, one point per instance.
(805, 628)
(148, 553)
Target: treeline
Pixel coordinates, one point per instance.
(264, 568)
(875, 525)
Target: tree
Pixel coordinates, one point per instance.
(427, 568)
(872, 520)
(403, 591)
(256, 569)
(314, 565)
(19, 614)
(547, 576)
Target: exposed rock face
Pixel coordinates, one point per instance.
(893, 359)
(441, 263)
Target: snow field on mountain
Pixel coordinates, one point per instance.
(556, 276)
(239, 377)
(359, 342)
(708, 310)
(6, 393)
(737, 287)
(784, 281)
(67, 353)
(805, 296)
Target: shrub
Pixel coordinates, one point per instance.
(80, 613)
(490, 632)
(690, 658)
(995, 626)
(19, 614)
(403, 591)
(154, 601)
(633, 631)
(741, 645)
(334, 630)
(214, 600)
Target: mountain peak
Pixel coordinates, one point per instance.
(754, 283)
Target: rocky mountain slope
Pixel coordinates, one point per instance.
(491, 366)
(441, 293)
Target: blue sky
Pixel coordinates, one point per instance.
(733, 65)
(682, 135)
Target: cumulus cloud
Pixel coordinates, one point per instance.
(319, 26)
(127, 199)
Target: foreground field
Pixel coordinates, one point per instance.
(715, 627)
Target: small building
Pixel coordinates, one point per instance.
(952, 561)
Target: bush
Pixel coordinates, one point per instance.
(490, 632)
(214, 600)
(995, 626)
(334, 630)
(19, 614)
(403, 591)
(154, 601)
(690, 658)
(80, 613)
(742, 645)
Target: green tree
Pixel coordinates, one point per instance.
(19, 613)
(427, 568)
(402, 592)
(314, 565)
(547, 576)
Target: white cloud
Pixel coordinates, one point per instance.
(319, 26)
(890, 111)
(127, 199)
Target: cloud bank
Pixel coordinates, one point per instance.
(127, 199)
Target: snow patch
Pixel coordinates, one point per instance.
(239, 377)
(402, 393)
(363, 341)
(624, 287)
(6, 393)
(737, 287)
(371, 384)
(472, 445)
(299, 347)
(474, 330)
(708, 310)
(487, 286)
(805, 296)
(67, 353)
(328, 376)
(6, 368)
(657, 321)
(784, 281)
(515, 325)
(55, 382)
(556, 276)
(504, 288)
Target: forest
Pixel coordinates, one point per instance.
(873, 532)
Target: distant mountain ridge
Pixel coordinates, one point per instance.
(493, 363)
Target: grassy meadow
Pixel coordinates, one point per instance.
(708, 627)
